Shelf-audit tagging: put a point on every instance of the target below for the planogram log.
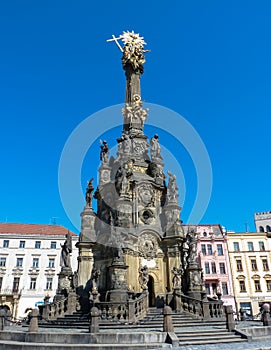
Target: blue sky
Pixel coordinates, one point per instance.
(209, 61)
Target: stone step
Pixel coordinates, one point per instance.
(12, 345)
(210, 336)
(212, 341)
(204, 332)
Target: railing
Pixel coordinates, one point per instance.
(59, 308)
(208, 308)
(131, 311)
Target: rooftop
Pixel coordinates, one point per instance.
(33, 229)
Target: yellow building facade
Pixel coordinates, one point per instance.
(250, 262)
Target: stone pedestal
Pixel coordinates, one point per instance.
(86, 242)
(65, 283)
(230, 324)
(194, 281)
(177, 299)
(167, 324)
(118, 285)
(94, 320)
(33, 325)
(87, 233)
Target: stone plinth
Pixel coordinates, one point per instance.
(118, 284)
(65, 283)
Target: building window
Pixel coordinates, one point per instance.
(239, 265)
(207, 288)
(265, 265)
(33, 282)
(53, 245)
(214, 288)
(37, 244)
(3, 262)
(6, 243)
(222, 268)
(268, 228)
(207, 268)
(1, 282)
(268, 285)
(250, 246)
(203, 249)
(19, 262)
(261, 246)
(219, 249)
(35, 262)
(209, 249)
(247, 308)
(225, 288)
(213, 267)
(261, 229)
(257, 285)
(51, 263)
(49, 283)
(236, 246)
(254, 265)
(204, 234)
(16, 282)
(22, 244)
(242, 286)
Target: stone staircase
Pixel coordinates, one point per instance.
(188, 329)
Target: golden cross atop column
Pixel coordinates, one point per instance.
(132, 61)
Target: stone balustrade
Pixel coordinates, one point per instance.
(207, 308)
(130, 311)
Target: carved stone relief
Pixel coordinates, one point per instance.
(147, 246)
(146, 195)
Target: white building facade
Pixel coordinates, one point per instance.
(29, 264)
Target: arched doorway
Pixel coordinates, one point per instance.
(151, 291)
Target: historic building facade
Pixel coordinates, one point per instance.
(250, 261)
(263, 221)
(30, 263)
(213, 258)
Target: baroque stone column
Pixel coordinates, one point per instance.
(86, 242)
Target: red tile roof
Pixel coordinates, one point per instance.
(33, 229)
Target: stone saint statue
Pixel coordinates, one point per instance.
(143, 277)
(95, 274)
(192, 244)
(89, 192)
(123, 179)
(104, 154)
(126, 144)
(172, 189)
(155, 148)
(65, 259)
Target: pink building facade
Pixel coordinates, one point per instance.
(213, 257)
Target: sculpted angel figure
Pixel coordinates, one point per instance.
(177, 279)
(143, 277)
